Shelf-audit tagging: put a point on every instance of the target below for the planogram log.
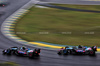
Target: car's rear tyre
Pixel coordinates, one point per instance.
(30, 55)
(73, 52)
(91, 52)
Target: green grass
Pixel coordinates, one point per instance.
(79, 27)
(8, 64)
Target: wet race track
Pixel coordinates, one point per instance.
(47, 57)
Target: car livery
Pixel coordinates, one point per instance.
(78, 50)
(22, 52)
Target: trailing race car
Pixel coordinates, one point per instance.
(3, 2)
(78, 50)
(22, 51)
(9, 51)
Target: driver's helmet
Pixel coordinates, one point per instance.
(62, 48)
(79, 46)
(66, 47)
(23, 47)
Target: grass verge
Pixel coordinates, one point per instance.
(86, 7)
(60, 27)
(8, 64)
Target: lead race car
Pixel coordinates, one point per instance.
(22, 51)
(83, 50)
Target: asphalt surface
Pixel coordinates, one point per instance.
(79, 2)
(47, 57)
(67, 8)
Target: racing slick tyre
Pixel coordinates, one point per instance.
(14, 50)
(91, 53)
(73, 52)
(8, 52)
(70, 51)
(65, 52)
(60, 52)
(31, 55)
(4, 52)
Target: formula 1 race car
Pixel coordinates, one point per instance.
(9, 51)
(83, 50)
(27, 52)
(22, 51)
(3, 2)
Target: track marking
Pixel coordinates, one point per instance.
(45, 45)
(90, 0)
